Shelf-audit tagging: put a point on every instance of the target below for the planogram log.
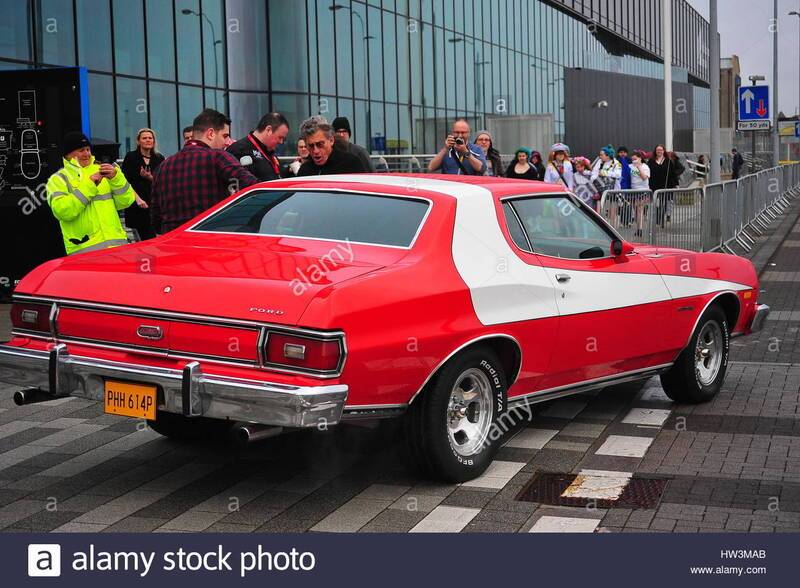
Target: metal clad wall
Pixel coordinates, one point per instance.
(639, 23)
(634, 116)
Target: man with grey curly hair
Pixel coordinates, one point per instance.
(326, 157)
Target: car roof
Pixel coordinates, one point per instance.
(449, 185)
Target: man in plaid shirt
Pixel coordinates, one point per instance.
(200, 175)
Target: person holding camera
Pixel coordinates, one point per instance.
(85, 196)
(458, 156)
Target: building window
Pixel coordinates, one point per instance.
(101, 101)
(164, 118)
(160, 40)
(56, 33)
(94, 35)
(190, 66)
(14, 30)
(131, 111)
(129, 29)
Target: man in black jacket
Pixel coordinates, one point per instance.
(256, 152)
(325, 159)
(341, 127)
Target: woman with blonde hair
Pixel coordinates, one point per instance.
(139, 166)
(559, 169)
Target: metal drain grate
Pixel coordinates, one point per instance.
(548, 487)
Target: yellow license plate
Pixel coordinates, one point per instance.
(132, 400)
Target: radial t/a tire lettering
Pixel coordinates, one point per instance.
(449, 428)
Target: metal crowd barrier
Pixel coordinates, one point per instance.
(738, 211)
(630, 212)
(678, 218)
(725, 216)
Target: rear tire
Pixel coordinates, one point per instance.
(699, 372)
(195, 429)
(449, 429)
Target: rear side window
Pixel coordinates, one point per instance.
(514, 228)
(338, 216)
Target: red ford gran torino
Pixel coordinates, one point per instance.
(452, 302)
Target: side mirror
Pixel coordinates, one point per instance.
(620, 248)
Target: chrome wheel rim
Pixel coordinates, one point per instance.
(708, 353)
(469, 412)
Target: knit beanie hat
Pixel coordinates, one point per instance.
(341, 123)
(72, 141)
(609, 150)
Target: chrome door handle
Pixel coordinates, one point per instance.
(563, 278)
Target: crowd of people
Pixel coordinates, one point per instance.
(611, 169)
(160, 194)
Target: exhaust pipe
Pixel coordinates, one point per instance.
(245, 433)
(31, 396)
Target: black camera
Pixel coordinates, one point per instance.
(459, 141)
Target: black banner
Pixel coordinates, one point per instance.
(398, 560)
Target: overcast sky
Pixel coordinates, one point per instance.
(744, 31)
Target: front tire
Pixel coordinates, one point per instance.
(449, 429)
(699, 371)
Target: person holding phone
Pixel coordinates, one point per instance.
(458, 156)
(85, 196)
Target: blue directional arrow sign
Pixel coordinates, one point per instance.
(754, 103)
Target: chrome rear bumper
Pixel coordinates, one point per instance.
(188, 392)
(762, 312)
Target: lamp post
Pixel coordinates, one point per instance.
(666, 40)
(776, 136)
(797, 14)
(333, 8)
(713, 58)
(202, 15)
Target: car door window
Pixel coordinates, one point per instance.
(558, 227)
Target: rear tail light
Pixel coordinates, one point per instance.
(304, 353)
(31, 317)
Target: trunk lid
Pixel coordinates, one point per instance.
(248, 277)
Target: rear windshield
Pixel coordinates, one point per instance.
(340, 216)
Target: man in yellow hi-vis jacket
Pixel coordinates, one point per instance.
(85, 197)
